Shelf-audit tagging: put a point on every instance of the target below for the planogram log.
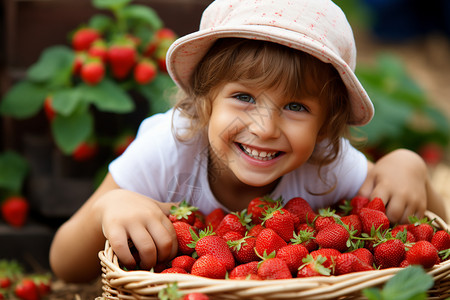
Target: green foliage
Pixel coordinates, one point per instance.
(14, 169)
(411, 283)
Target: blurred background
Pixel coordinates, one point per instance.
(59, 131)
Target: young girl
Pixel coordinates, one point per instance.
(269, 94)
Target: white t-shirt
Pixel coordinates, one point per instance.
(161, 167)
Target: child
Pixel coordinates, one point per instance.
(268, 95)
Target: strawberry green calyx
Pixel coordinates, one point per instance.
(236, 245)
(183, 210)
(171, 292)
(196, 237)
(302, 236)
(244, 218)
(317, 264)
(327, 212)
(269, 212)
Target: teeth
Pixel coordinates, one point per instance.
(263, 155)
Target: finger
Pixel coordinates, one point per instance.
(367, 187)
(145, 245)
(165, 238)
(119, 243)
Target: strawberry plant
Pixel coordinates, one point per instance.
(108, 62)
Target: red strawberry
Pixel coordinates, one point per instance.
(422, 253)
(373, 218)
(268, 241)
(209, 243)
(306, 237)
(300, 207)
(184, 237)
(232, 236)
(209, 266)
(234, 222)
(354, 223)
(333, 236)
(348, 263)
(402, 230)
(214, 218)
(195, 296)
(441, 240)
(293, 256)
(99, 49)
(165, 34)
(48, 108)
(389, 254)
(313, 266)
(273, 268)
(85, 151)
(122, 58)
(376, 204)
(183, 261)
(258, 206)
(243, 270)
(83, 38)
(421, 229)
(145, 71)
(280, 220)
(15, 210)
(328, 253)
(184, 212)
(26, 289)
(364, 255)
(5, 281)
(324, 218)
(80, 58)
(432, 153)
(357, 203)
(244, 249)
(92, 72)
(174, 270)
(255, 230)
(199, 222)
(43, 283)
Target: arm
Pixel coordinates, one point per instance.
(117, 215)
(401, 180)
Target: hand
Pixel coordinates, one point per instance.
(128, 216)
(400, 179)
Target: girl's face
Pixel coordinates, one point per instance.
(259, 135)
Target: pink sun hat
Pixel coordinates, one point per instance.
(317, 27)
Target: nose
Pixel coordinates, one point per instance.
(265, 122)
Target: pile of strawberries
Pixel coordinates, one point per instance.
(271, 241)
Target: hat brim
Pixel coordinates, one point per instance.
(185, 53)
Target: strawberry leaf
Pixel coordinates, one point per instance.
(14, 170)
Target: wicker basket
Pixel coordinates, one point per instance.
(120, 284)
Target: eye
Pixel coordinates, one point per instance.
(245, 98)
(295, 106)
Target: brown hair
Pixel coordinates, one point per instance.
(268, 65)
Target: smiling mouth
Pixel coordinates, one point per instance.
(259, 154)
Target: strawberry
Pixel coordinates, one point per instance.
(184, 237)
(354, 223)
(268, 241)
(441, 240)
(357, 203)
(243, 270)
(280, 220)
(432, 153)
(255, 230)
(165, 34)
(83, 38)
(209, 266)
(401, 232)
(92, 71)
(422, 253)
(199, 222)
(195, 296)
(324, 218)
(334, 236)
(207, 242)
(313, 266)
(293, 256)
(85, 151)
(234, 222)
(5, 281)
(26, 289)
(184, 212)
(373, 218)
(243, 249)
(214, 218)
(257, 207)
(80, 58)
(232, 236)
(328, 253)
(348, 263)
(299, 207)
(99, 49)
(48, 108)
(273, 268)
(145, 71)
(43, 283)
(174, 270)
(306, 237)
(121, 58)
(421, 229)
(15, 210)
(389, 253)
(183, 261)
(364, 255)
(377, 204)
